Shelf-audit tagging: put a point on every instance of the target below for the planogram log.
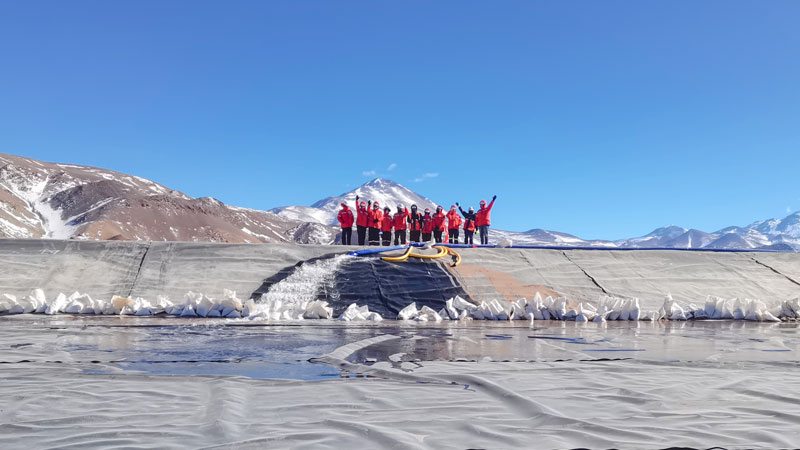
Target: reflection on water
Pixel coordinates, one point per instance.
(224, 347)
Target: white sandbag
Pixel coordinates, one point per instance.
(374, 317)
(9, 304)
(229, 299)
(518, 310)
(351, 313)
(636, 310)
(498, 310)
(55, 306)
(462, 305)
(188, 311)
(443, 314)
(560, 308)
(429, 314)
(477, 313)
(145, 311)
(452, 312)
(409, 312)
(767, 316)
(737, 310)
(248, 308)
(38, 300)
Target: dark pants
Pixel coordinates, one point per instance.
(483, 230)
(399, 237)
(426, 237)
(347, 235)
(453, 236)
(468, 237)
(362, 234)
(386, 236)
(374, 236)
(414, 236)
(437, 236)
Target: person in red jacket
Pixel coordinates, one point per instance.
(400, 225)
(469, 224)
(415, 223)
(362, 221)
(375, 220)
(483, 220)
(453, 222)
(439, 225)
(427, 225)
(346, 220)
(386, 226)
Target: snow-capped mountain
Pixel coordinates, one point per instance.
(65, 201)
(779, 234)
(385, 192)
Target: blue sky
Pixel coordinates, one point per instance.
(601, 119)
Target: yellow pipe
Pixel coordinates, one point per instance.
(442, 253)
(400, 258)
(457, 257)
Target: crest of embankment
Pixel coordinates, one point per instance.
(148, 269)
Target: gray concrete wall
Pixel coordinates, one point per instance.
(106, 268)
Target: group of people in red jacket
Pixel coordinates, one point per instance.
(375, 226)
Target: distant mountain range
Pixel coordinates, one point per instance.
(65, 201)
(768, 234)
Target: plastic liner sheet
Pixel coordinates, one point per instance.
(387, 287)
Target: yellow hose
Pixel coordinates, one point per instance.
(400, 258)
(442, 253)
(456, 256)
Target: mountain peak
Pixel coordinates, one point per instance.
(380, 183)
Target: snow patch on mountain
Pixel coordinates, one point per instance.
(385, 192)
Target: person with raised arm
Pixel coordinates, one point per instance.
(415, 223)
(483, 219)
(469, 224)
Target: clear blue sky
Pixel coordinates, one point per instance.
(602, 119)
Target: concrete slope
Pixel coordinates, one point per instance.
(106, 268)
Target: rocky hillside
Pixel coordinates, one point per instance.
(64, 201)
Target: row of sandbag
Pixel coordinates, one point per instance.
(276, 308)
(194, 304)
(607, 309)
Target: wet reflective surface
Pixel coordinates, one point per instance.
(282, 351)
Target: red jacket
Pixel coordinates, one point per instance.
(483, 216)
(416, 221)
(346, 217)
(438, 222)
(400, 220)
(453, 220)
(375, 218)
(387, 223)
(427, 226)
(363, 216)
